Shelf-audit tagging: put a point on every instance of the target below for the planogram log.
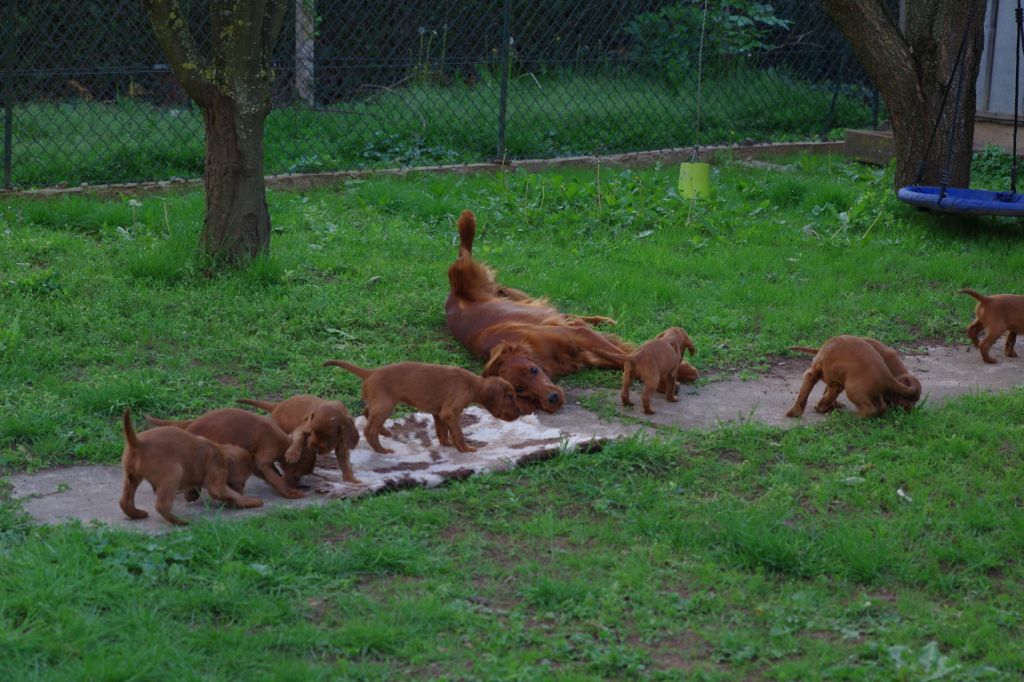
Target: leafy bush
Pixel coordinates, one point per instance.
(669, 40)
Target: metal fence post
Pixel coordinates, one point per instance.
(9, 39)
(506, 35)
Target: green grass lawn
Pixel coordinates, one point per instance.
(424, 124)
(743, 553)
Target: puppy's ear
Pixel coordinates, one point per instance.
(349, 433)
(299, 438)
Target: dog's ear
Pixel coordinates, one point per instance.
(493, 365)
(299, 438)
(349, 433)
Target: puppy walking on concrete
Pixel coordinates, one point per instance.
(440, 390)
(173, 460)
(864, 368)
(996, 314)
(656, 363)
(258, 435)
(317, 427)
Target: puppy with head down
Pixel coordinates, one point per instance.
(870, 372)
(657, 363)
(259, 436)
(440, 390)
(173, 460)
(317, 427)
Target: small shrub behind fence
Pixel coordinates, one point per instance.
(88, 97)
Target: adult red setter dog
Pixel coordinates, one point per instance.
(525, 340)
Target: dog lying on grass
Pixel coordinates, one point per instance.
(870, 372)
(316, 426)
(173, 460)
(440, 390)
(996, 314)
(259, 436)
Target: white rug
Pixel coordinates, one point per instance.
(420, 460)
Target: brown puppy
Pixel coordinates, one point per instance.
(657, 364)
(853, 364)
(441, 390)
(260, 436)
(172, 460)
(317, 427)
(240, 468)
(996, 314)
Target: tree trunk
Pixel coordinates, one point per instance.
(237, 221)
(910, 67)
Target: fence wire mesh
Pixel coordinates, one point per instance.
(89, 97)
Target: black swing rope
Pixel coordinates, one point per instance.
(944, 178)
(942, 107)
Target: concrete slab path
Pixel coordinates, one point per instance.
(90, 493)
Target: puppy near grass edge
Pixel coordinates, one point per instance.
(995, 315)
(173, 460)
(864, 368)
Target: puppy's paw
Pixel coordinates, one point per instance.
(795, 412)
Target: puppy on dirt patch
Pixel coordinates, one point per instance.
(173, 460)
(317, 427)
(856, 365)
(996, 314)
(260, 436)
(440, 390)
(656, 363)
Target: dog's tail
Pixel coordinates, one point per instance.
(129, 432)
(260, 404)
(181, 424)
(804, 349)
(910, 389)
(467, 230)
(974, 294)
(358, 371)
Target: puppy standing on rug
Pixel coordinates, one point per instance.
(172, 460)
(317, 426)
(996, 314)
(854, 364)
(440, 390)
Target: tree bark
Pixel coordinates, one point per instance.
(237, 224)
(231, 82)
(910, 68)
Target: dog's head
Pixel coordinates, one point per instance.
(679, 339)
(513, 361)
(327, 428)
(906, 402)
(498, 396)
(240, 465)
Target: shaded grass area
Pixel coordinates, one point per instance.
(423, 124)
(743, 553)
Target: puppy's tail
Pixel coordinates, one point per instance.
(910, 389)
(181, 424)
(260, 404)
(129, 432)
(804, 349)
(467, 230)
(974, 294)
(358, 371)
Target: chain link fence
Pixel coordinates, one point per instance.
(87, 96)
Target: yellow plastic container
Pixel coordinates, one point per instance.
(694, 180)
